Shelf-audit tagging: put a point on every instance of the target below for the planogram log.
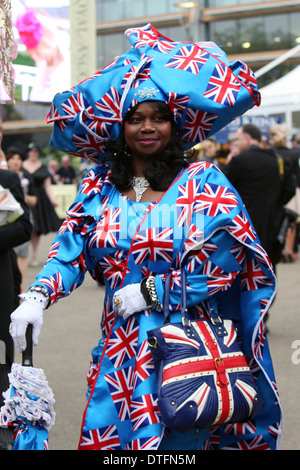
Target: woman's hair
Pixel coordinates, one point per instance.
(279, 133)
(163, 170)
(253, 131)
(13, 150)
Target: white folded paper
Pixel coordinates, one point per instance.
(10, 209)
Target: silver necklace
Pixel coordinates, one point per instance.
(139, 184)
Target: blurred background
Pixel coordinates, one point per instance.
(74, 38)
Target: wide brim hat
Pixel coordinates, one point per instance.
(202, 89)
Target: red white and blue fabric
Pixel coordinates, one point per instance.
(203, 90)
(28, 435)
(222, 257)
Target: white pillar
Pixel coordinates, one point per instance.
(83, 39)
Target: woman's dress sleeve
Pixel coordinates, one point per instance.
(66, 265)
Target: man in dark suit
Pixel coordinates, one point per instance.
(255, 173)
(11, 235)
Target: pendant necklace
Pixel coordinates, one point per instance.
(139, 184)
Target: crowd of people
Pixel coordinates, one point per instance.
(266, 173)
(147, 209)
(30, 181)
(64, 173)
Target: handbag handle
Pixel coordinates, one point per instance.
(167, 294)
(210, 304)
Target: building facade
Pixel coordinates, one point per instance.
(256, 32)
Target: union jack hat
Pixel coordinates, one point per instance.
(203, 90)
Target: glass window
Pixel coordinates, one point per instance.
(155, 7)
(294, 28)
(176, 33)
(251, 34)
(109, 47)
(223, 3)
(277, 31)
(113, 10)
(171, 6)
(219, 3)
(296, 119)
(259, 33)
(108, 10)
(133, 8)
(225, 34)
(281, 116)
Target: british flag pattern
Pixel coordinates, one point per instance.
(120, 241)
(206, 380)
(203, 90)
(189, 58)
(223, 87)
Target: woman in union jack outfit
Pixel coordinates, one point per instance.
(143, 212)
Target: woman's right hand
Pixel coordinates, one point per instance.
(129, 300)
(30, 311)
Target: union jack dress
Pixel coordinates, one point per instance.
(201, 223)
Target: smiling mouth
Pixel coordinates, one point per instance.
(147, 141)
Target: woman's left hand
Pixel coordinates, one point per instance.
(129, 300)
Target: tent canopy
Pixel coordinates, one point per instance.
(285, 91)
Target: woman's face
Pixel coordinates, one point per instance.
(15, 162)
(33, 155)
(275, 141)
(147, 132)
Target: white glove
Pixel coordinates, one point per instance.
(129, 300)
(30, 311)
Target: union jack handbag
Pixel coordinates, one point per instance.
(202, 375)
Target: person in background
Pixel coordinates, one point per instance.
(254, 172)
(233, 149)
(66, 173)
(294, 204)
(45, 219)
(208, 152)
(83, 167)
(53, 167)
(294, 142)
(279, 134)
(265, 142)
(15, 160)
(11, 235)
